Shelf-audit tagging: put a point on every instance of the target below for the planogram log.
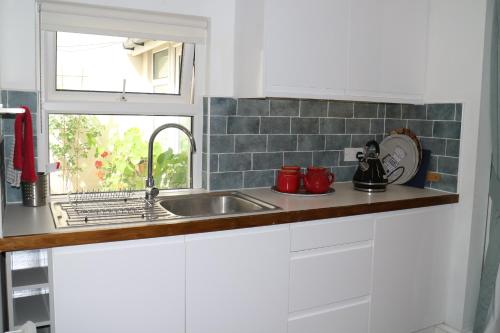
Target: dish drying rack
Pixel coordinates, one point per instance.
(98, 203)
(98, 207)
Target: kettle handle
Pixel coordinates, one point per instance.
(360, 156)
(374, 144)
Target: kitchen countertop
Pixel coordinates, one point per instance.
(31, 228)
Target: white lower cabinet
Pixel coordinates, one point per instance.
(381, 273)
(329, 275)
(237, 281)
(127, 287)
(410, 270)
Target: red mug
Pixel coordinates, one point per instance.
(318, 180)
(288, 181)
(291, 167)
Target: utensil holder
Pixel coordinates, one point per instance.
(35, 194)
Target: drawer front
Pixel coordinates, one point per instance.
(330, 275)
(330, 232)
(347, 319)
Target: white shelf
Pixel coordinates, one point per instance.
(34, 308)
(10, 110)
(30, 278)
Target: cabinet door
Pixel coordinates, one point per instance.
(388, 49)
(410, 265)
(131, 286)
(326, 276)
(306, 47)
(237, 281)
(404, 46)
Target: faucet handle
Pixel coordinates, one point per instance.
(152, 193)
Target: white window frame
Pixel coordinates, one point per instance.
(189, 103)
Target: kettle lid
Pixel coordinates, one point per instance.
(372, 149)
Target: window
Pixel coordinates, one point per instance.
(109, 78)
(160, 64)
(87, 62)
(109, 152)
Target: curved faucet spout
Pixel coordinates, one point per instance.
(151, 190)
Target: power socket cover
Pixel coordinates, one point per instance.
(350, 154)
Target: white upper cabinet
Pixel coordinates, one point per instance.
(347, 49)
(388, 48)
(305, 47)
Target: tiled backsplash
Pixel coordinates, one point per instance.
(15, 99)
(248, 140)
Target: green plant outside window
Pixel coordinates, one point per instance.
(109, 153)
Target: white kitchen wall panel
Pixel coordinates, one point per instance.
(127, 287)
(411, 255)
(237, 281)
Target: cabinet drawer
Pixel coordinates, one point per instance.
(352, 318)
(329, 232)
(329, 275)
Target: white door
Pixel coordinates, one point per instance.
(127, 287)
(237, 281)
(409, 270)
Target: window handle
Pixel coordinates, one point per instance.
(122, 97)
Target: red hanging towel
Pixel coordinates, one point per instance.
(24, 152)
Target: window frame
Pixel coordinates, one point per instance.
(188, 103)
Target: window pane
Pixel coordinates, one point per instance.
(109, 152)
(105, 63)
(160, 65)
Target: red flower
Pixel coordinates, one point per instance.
(98, 164)
(100, 175)
(104, 154)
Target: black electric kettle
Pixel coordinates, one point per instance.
(370, 175)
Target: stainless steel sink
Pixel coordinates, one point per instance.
(213, 204)
(135, 209)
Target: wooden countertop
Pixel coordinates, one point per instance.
(33, 228)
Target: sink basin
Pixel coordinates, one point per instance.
(212, 204)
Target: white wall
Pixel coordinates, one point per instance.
(454, 74)
(17, 37)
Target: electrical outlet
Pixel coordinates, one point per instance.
(350, 154)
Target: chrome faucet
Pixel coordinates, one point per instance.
(151, 191)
